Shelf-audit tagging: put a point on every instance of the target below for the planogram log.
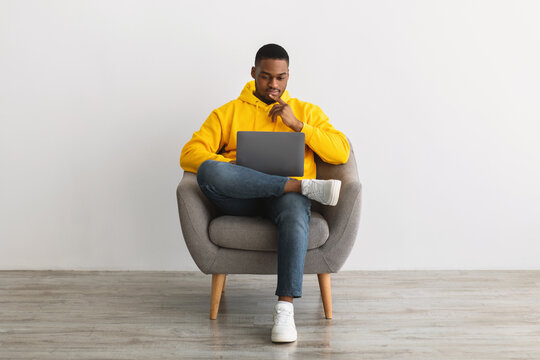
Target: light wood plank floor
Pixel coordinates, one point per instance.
(164, 315)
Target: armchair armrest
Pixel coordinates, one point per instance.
(344, 218)
(196, 212)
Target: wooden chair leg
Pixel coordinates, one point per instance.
(218, 280)
(326, 294)
(224, 281)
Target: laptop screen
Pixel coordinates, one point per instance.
(274, 153)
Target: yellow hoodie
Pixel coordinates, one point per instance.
(216, 140)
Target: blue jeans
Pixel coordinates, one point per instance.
(237, 190)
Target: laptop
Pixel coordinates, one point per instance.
(274, 153)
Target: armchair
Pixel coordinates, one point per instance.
(222, 245)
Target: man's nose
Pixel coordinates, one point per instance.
(273, 83)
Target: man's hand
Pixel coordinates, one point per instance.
(283, 110)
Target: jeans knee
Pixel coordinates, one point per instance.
(296, 203)
(295, 210)
(205, 171)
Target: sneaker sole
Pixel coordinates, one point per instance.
(334, 191)
(283, 339)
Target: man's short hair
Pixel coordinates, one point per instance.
(271, 51)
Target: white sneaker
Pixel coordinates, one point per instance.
(284, 329)
(324, 191)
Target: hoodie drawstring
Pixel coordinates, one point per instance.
(256, 113)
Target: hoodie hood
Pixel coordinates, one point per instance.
(216, 140)
(248, 96)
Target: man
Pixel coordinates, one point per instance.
(265, 105)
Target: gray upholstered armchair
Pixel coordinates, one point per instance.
(223, 245)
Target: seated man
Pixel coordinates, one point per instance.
(265, 105)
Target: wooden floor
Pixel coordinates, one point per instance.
(164, 315)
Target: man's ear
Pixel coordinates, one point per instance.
(253, 72)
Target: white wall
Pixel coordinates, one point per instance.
(439, 98)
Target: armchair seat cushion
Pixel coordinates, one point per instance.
(260, 234)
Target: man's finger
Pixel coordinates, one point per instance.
(278, 99)
(274, 109)
(275, 115)
(271, 112)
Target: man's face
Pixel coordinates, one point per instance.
(271, 76)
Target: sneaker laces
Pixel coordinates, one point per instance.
(315, 190)
(283, 316)
(308, 187)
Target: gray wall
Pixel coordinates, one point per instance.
(440, 99)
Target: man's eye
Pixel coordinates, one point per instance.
(280, 78)
(265, 77)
